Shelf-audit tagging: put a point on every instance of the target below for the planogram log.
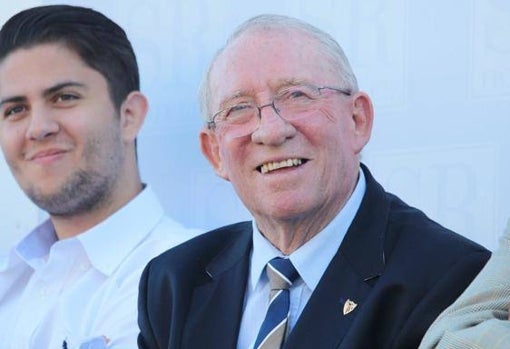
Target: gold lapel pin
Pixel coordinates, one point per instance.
(349, 306)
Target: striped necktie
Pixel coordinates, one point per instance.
(281, 274)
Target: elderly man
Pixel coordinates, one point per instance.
(348, 265)
(71, 111)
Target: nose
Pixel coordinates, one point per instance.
(273, 129)
(41, 125)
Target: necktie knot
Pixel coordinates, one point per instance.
(281, 273)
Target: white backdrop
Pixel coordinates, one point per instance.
(438, 73)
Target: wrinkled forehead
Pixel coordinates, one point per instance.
(263, 58)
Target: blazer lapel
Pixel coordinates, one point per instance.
(322, 323)
(217, 304)
(348, 280)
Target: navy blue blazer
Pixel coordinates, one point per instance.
(401, 268)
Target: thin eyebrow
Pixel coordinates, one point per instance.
(51, 90)
(47, 92)
(15, 99)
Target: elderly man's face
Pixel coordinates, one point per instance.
(302, 169)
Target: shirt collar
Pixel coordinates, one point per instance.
(119, 234)
(122, 231)
(34, 248)
(325, 244)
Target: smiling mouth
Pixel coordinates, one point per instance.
(276, 165)
(45, 154)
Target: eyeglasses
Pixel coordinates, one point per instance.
(291, 103)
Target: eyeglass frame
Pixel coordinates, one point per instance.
(211, 124)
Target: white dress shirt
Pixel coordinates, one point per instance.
(82, 288)
(310, 260)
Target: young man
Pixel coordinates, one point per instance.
(286, 124)
(71, 111)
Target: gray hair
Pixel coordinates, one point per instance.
(326, 43)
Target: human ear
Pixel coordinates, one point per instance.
(132, 115)
(363, 118)
(209, 146)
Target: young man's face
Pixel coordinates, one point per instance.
(59, 130)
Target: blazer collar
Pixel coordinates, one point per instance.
(217, 304)
(363, 245)
(235, 251)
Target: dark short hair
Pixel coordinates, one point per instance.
(99, 41)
